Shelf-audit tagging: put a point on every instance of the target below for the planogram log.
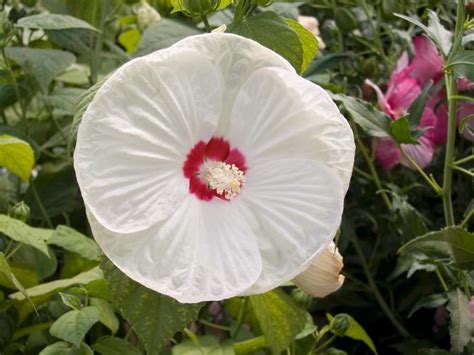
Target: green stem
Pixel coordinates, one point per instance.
(240, 318)
(375, 290)
(465, 171)
(374, 29)
(205, 21)
(40, 205)
(10, 254)
(441, 279)
(433, 184)
(373, 171)
(250, 346)
(451, 89)
(214, 325)
(464, 160)
(326, 343)
(467, 218)
(33, 328)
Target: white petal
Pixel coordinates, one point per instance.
(236, 58)
(298, 206)
(281, 115)
(134, 137)
(205, 251)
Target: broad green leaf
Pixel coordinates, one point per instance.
(58, 285)
(53, 22)
(274, 32)
(8, 95)
(356, 332)
(24, 274)
(410, 221)
(372, 121)
(41, 64)
(163, 34)
(208, 345)
(463, 64)
(96, 288)
(279, 318)
(461, 325)
(431, 301)
(108, 345)
(130, 39)
(63, 348)
(5, 270)
(77, 40)
(44, 266)
(63, 99)
(308, 41)
(177, 6)
(71, 240)
(106, 314)
(309, 327)
(416, 109)
(401, 131)
(17, 156)
(23, 233)
(412, 262)
(154, 317)
(454, 243)
(74, 325)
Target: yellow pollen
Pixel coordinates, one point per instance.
(226, 179)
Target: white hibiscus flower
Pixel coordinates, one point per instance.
(211, 169)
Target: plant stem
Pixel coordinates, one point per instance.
(250, 346)
(441, 279)
(240, 318)
(33, 328)
(462, 170)
(374, 29)
(433, 184)
(375, 290)
(464, 160)
(451, 89)
(373, 171)
(205, 21)
(214, 325)
(326, 343)
(40, 205)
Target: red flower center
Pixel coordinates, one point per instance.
(213, 169)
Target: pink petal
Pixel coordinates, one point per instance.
(386, 153)
(465, 85)
(403, 90)
(427, 63)
(402, 62)
(441, 128)
(383, 104)
(199, 189)
(422, 153)
(194, 159)
(237, 158)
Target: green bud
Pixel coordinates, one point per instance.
(369, 68)
(345, 20)
(301, 298)
(340, 324)
(199, 7)
(20, 211)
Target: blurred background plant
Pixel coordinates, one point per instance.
(408, 255)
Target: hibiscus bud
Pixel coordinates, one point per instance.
(340, 324)
(199, 7)
(322, 277)
(20, 211)
(301, 298)
(146, 14)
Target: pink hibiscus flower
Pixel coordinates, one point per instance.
(406, 83)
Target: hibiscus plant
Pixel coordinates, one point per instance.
(236, 177)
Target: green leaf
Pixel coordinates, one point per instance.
(130, 39)
(372, 121)
(63, 348)
(356, 332)
(41, 64)
(309, 44)
(107, 315)
(454, 243)
(416, 109)
(401, 131)
(163, 34)
(460, 326)
(71, 301)
(154, 317)
(23, 233)
(25, 275)
(5, 270)
(108, 345)
(17, 156)
(71, 240)
(463, 64)
(279, 318)
(43, 265)
(53, 22)
(74, 325)
(208, 345)
(410, 221)
(63, 99)
(280, 35)
(177, 7)
(52, 287)
(430, 301)
(412, 262)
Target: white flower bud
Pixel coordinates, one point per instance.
(323, 276)
(146, 14)
(312, 25)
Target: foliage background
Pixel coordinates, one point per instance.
(58, 295)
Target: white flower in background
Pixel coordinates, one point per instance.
(211, 169)
(146, 14)
(312, 25)
(322, 277)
